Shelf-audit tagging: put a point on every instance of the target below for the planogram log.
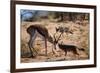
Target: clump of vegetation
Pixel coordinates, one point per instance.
(24, 49)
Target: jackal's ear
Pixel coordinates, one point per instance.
(61, 42)
(56, 29)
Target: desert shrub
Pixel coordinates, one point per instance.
(24, 49)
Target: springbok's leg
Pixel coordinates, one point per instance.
(31, 42)
(46, 46)
(30, 46)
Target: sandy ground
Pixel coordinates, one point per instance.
(78, 38)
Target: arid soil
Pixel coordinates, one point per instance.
(80, 38)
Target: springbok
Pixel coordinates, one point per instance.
(41, 31)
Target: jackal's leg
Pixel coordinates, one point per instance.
(65, 53)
